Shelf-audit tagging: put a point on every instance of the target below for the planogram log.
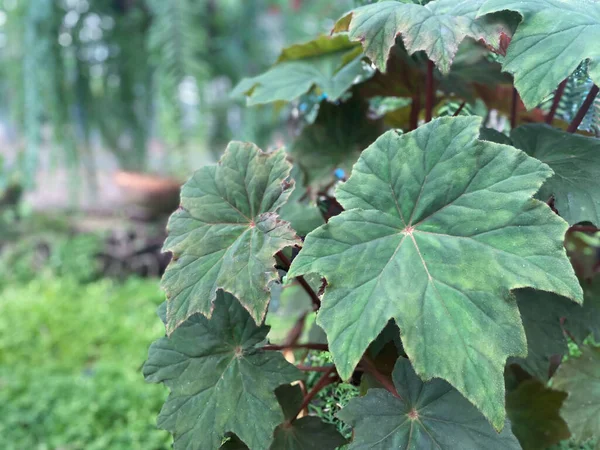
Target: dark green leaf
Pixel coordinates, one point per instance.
(438, 228)
(220, 380)
(533, 410)
(575, 160)
(551, 41)
(580, 378)
(430, 415)
(438, 28)
(306, 433)
(226, 232)
(334, 140)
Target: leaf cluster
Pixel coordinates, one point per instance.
(438, 268)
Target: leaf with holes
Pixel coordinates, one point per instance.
(331, 64)
(437, 28)
(425, 417)
(580, 378)
(226, 232)
(214, 367)
(552, 39)
(533, 410)
(575, 160)
(439, 227)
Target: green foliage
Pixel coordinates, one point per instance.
(228, 219)
(410, 231)
(553, 38)
(580, 378)
(419, 417)
(433, 248)
(69, 372)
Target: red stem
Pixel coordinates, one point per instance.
(324, 381)
(584, 228)
(313, 296)
(557, 96)
(429, 92)
(414, 111)
(368, 365)
(589, 100)
(309, 346)
(513, 109)
(459, 110)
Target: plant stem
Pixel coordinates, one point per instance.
(414, 111)
(429, 92)
(324, 381)
(459, 110)
(584, 228)
(557, 96)
(589, 100)
(309, 346)
(513, 109)
(369, 366)
(313, 296)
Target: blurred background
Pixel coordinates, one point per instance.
(107, 106)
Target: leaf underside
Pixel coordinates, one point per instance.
(438, 228)
(220, 381)
(425, 417)
(226, 232)
(552, 39)
(437, 28)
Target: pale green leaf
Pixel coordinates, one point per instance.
(552, 39)
(439, 227)
(331, 64)
(226, 232)
(430, 415)
(575, 160)
(437, 28)
(220, 380)
(533, 410)
(580, 378)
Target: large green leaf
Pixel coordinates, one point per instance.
(585, 321)
(430, 415)
(551, 41)
(438, 228)
(220, 380)
(332, 64)
(575, 161)
(438, 28)
(226, 232)
(580, 378)
(533, 410)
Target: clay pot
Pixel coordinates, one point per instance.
(148, 196)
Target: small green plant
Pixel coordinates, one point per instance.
(437, 268)
(69, 376)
